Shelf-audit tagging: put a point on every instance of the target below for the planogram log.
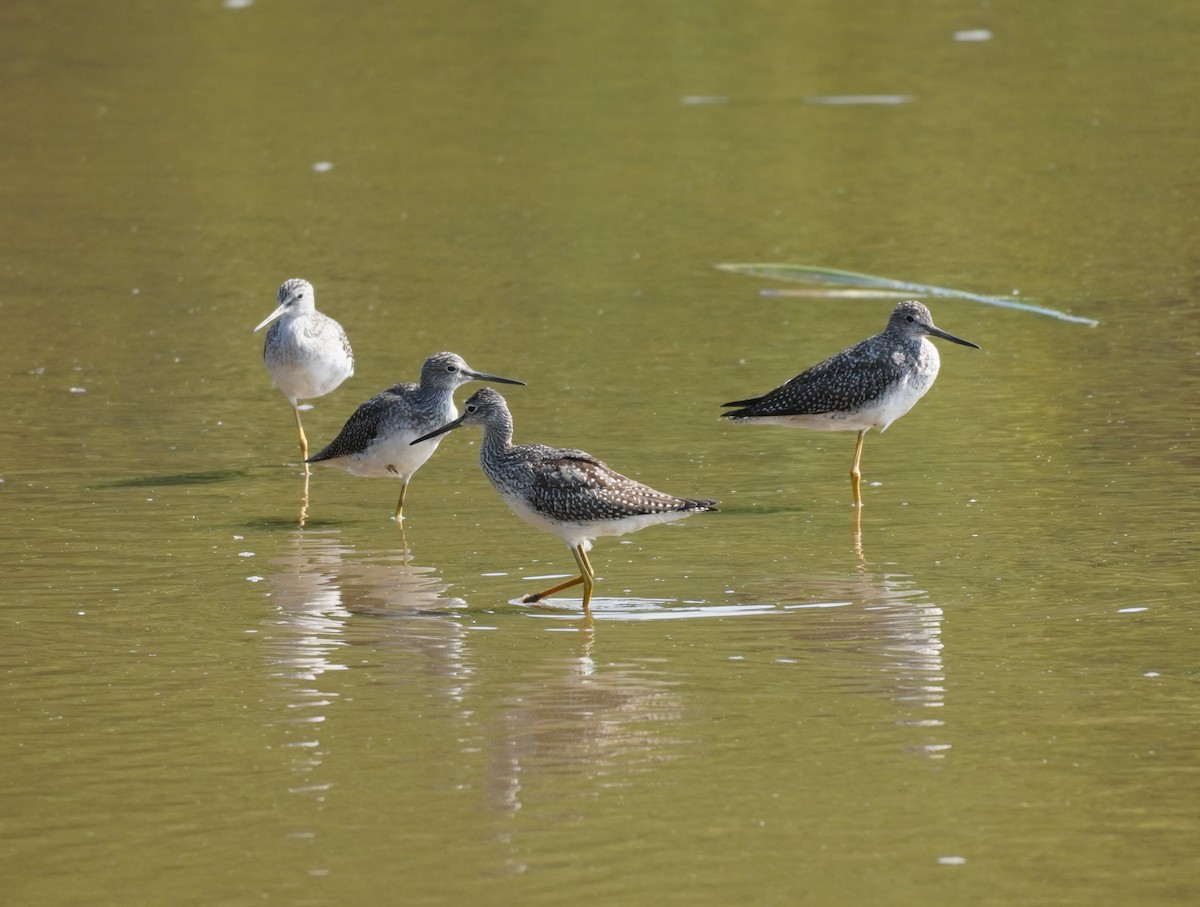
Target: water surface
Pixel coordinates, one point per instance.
(219, 691)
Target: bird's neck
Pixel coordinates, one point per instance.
(434, 394)
(497, 437)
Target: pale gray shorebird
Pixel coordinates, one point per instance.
(565, 492)
(306, 351)
(378, 440)
(870, 385)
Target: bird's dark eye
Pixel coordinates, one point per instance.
(452, 369)
(909, 319)
(471, 407)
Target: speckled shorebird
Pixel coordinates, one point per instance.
(870, 385)
(306, 351)
(378, 439)
(565, 492)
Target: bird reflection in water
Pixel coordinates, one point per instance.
(889, 632)
(580, 716)
(304, 498)
(322, 589)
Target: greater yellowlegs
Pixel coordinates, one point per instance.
(567, 493)
(378, 439)
(870, 385)
(306, 352)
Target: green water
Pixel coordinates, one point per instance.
(987, 694)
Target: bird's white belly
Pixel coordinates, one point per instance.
(305, 367)
(577, 532)
(303, 380)
(391, 456)
(860, 420)
(901, 400)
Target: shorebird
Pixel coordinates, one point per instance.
(565, 492)
(306, 351)
(870, 385)
(378, 439)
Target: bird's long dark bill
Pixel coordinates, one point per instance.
(938, 332)
(484, 376)
(449, 426)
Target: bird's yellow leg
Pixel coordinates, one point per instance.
(587, 574)
(400, 503)
(538, 596)
(303, 440)
(855, 475)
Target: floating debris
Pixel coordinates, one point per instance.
(704, 99)
(973, 34)
(819, 275)
(835, 293)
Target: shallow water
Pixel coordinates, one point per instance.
(219, 690)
